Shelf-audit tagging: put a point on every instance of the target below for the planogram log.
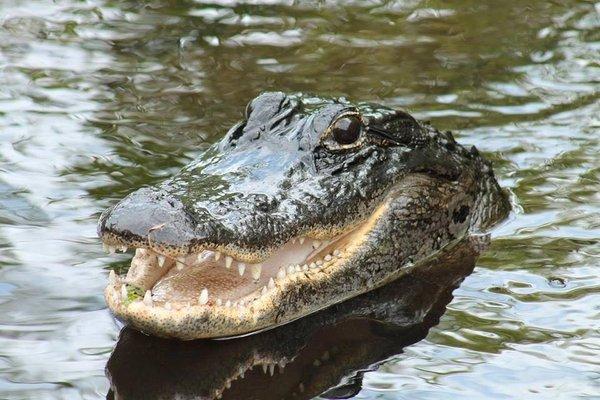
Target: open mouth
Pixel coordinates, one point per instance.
(215, 280)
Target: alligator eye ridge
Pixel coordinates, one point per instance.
(346, 130)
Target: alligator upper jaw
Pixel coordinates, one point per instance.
(231, 297)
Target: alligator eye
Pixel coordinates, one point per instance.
(346, 130)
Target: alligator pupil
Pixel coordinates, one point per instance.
(346, 130)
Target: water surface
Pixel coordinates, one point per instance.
(100, 97)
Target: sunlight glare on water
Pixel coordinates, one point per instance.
(100, 97)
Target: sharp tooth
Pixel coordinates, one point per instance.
(320, 262)
(241, 268)
(271, 283)
(228, 303)
(256, 270)
(293, 241)
(337, 253)
(112, 249)
(297, 268)
(148, 298)
(203, 299)
(313, 265)
(168, 306)
(305, 267)
(180, 265)
(161, 260)
(228, 384)
(264, 290)
(316, 244)
(140, 252)
(301, 240)
(105, 247)
(281, 273)
(264, 368)
(228, 261)
(317, 363)
(124, 292)
(112, 277)
(271, 369)
(301, 387)
(217, 255)
(328, 257)
(219, 302)
(123, 249)
(290, 269)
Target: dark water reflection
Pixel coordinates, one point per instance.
(99, 97)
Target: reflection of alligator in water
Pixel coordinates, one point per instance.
(304, 204)
(299, 360)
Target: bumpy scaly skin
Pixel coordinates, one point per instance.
(272, 179)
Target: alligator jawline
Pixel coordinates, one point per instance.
(157, 285)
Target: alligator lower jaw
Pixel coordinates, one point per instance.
(212, 295)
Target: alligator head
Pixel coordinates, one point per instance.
(303, 204)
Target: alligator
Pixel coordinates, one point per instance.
(324, 355)
(303, 204)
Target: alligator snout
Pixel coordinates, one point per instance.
(148, 218)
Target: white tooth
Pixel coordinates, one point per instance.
(301, 240)
(123, 249)
(140, 252)
(161, 260)
(203, 299)
(316, 244)
(313, 265)
(337, 253)
(317, 362)
(217, 255)
(301, 387)
(228, 384)
(112, 249)
(105, 247)
(325, 356)
(256, 270)
(328, 257)
(168, 306)
(228, 303)
(297, 268)
(271, 369)
(264, 368)
(112, 277)
(228, 261)
(281, 273)
(305, 267)
(320, 262)
(241, 268)
(219, 302)
(123, 292)
(290, 269)
(293, 241)
(264, 290)
(271, 283)
(148, 298)
(180, 265)
(241, 371)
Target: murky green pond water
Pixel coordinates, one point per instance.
(99, 97)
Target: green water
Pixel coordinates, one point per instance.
(99, 97)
